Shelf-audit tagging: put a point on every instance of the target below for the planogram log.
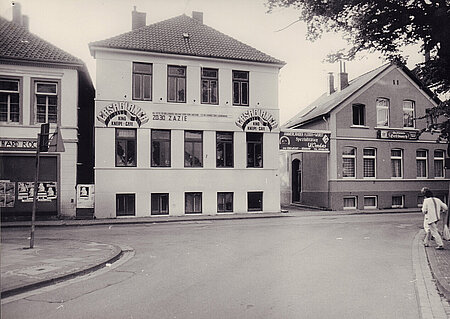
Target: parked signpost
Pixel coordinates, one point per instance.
(56, 145)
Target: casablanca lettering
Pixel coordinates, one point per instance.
(123, 111)
(265, 118)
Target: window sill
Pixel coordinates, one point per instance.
(360, 126)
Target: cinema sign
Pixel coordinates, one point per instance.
(122, 114)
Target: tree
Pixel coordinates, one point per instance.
(386, 26)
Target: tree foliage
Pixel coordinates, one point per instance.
(384, 26)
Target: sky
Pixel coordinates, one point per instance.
(72, 24)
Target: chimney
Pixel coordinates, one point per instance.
(16, 13)
(137, 19)
(26, 22)
(197, 16)
(330, 83)
(343, 77)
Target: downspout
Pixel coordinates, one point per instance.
(328, 168)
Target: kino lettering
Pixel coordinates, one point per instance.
(264, 117)
(135, 113)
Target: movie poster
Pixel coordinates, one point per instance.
(46, 191)
(7, 193)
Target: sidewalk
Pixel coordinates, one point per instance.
(50, 262)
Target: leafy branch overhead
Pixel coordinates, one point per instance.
(384, 26)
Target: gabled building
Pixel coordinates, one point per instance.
(377, 158)
(40, 83)
(186, 122)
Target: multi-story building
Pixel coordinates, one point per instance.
(40, 83)
(186, 122)
(377, 157)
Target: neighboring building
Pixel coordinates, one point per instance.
(40, 83)
(377, 157)
(186, 122)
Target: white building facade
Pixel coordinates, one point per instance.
(182, 125)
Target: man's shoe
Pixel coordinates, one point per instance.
(439, 247)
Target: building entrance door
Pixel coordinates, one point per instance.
(296, 180)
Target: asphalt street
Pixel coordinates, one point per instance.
(355, 266)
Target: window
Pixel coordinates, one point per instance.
(193, 203)
(176, 84)
(439, 163)
(9, 100)
(408, 113)
(160, 148)
(359, 114)
(142, 81)
(210, 79)
(240, 88)
(382, 112)
(224, 149)
(125, 147)
(396, 163)
(160, 204)
(125, 204)
(255, 150)
(370, 202)
(46, 99)
(350, 202)
(421, 161)
(348, 162)
(255, 201)
(369, 162)
(397, 201)
(193, 149)
(224, 202)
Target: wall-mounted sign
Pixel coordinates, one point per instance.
(186, 117)
(256, 120)
(122, 114)
(85, 196)
(397, 134)
(7, 193)
(13, 144)
(46, 191)
(307, 141)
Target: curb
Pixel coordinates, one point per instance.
(442, 285)
(44, 283)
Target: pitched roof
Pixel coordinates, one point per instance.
(185, 36)
(325, 103)
(17, 43)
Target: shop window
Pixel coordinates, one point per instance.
(397, 163)
(421, 161)
(9, 100)
(240, 88)
(255, 201)
(160, 148)
(350, 202)
(439, 163)
(160, 204)
(126, 147)
(142, 81)
(408, 113)
(193, 149)
(382, 112)
(370, 202)
(397, 202)
(210, 80)
(255, 150)
(359, 114)
(369, 162)
(125, 204)
(349, 162)
(176, 84)
(193, 203)
(224, 149)
(46, 101)
(224, 202)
